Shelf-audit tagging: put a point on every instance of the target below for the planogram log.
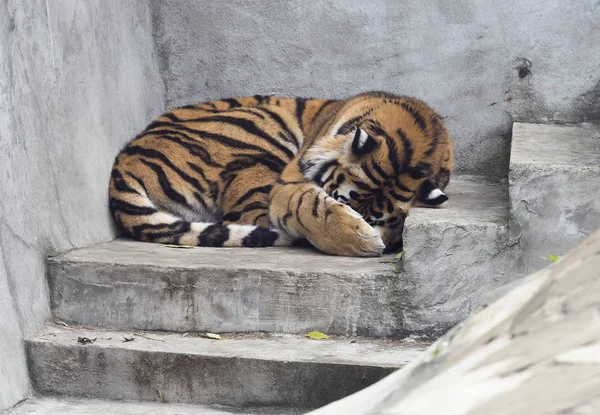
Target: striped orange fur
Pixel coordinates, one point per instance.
(262, 171)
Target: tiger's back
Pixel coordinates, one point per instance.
(205, 174)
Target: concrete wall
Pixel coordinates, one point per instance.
(77, 80)
(461, 56)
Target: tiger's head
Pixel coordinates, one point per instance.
(374, 155)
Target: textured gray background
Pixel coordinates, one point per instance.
(453, 53)
(77, 80)
(461, 56)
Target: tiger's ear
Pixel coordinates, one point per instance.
(362, 143)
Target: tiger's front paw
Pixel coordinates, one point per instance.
(346, 233)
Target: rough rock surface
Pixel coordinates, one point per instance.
(78, 79)
(554, 188)
(534, 350)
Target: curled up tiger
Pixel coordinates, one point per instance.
(263, 171)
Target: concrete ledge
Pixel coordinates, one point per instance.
(67, 406)
(126, 284)
(246, 370)
(554, 188)
(446, 268)
(455, 255)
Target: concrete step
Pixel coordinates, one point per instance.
(450, 253)
(242, 370)
(455, 256)
(68, 405)
(554, 188)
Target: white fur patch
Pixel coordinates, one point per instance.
(434, 194)
(237, 233)
(317, 161)
(362, 138)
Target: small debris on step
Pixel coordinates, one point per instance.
(149, 338)
(85, 340)
(179, 246)
(127, 339)
(316, 335)
(61, 323)
(212, 336)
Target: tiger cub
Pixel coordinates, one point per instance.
(262, 171)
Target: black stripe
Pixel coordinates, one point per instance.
(259, 216)
(262, 189)
(213, 235)
(130, 209)
(400, 197)
(120, 183)
(285, 182)
(349, 125)
(299, 205)
(363, 186)
(254, 206)
(138, 180)
(419, 120)
(250, 127)
(379, 198)
(408, 150)
(162, 230)
(251, 111)
(232, 217)
(164, 182)
(195, 149)
(320, 110)
(213, 185)
(261, 98)
(315, 209)
(300, 107)
(401, 186)
(369, 173)
(233, 103)
(260, 237)
(323, 169)
(171, 116)
(222, 139)
(283, 125)
(245, 162)
(421, 170)
(378, 169)
(391, 144)
(154, 154)
(435, 135)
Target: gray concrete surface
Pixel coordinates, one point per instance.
(239, 371)
(455, 255)
(77, 80)
(461, 56)
(127, 284)
(69, 406)
(535, 350)
(554, 188)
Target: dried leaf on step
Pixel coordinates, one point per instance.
(179, 246)
(210, 336)
(317, 335)
(398, 255)
(554, 258)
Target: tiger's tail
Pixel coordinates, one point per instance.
(140, 218)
